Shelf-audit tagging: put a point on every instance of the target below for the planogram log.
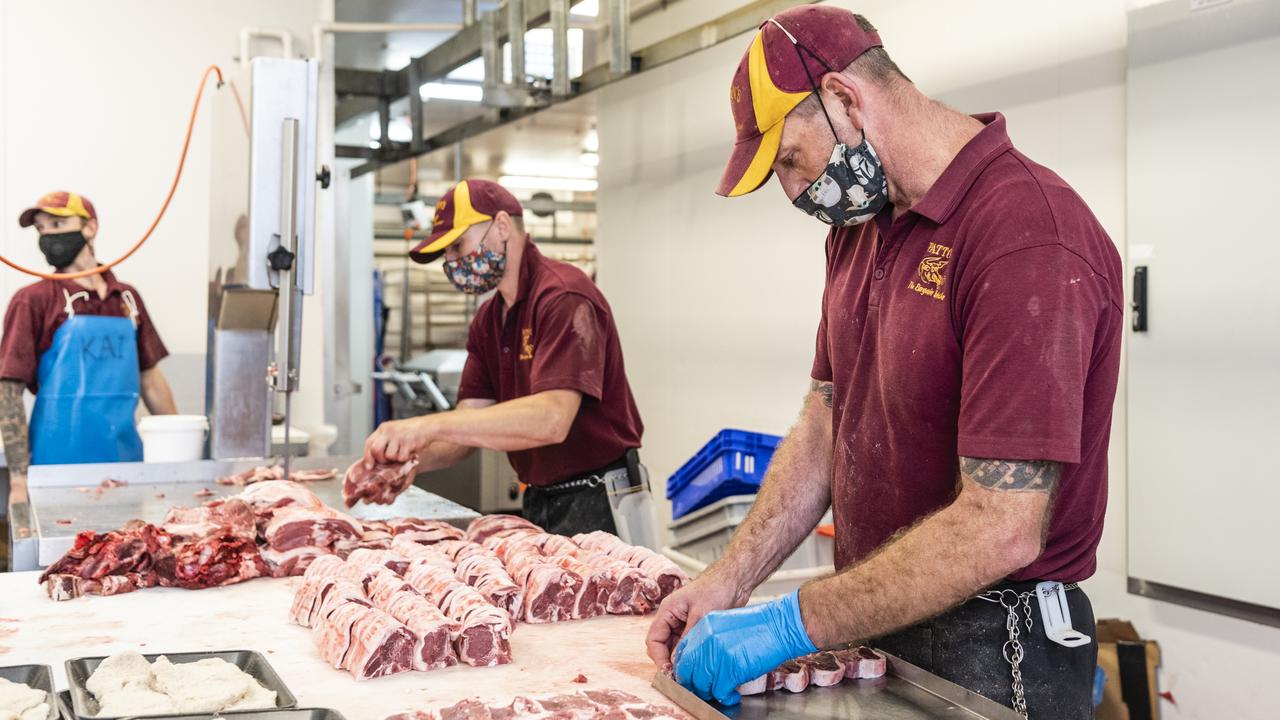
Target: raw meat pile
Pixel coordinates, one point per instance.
(22, 702)
(379, 613)
(273, 528)
(431, 597)
(380, 484)
(822, 669)
(584, 705)
(126, 684)
(262, 473)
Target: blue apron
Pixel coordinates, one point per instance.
(88, 391)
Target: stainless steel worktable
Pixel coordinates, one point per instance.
(65, 499)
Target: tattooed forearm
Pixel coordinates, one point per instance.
(826, 389)
(1014, 475)
(13, 427)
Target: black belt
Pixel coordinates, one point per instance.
(589, 479)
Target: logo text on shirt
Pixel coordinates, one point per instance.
(526, 344)
(931, 274)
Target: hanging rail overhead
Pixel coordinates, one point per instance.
(363, 91)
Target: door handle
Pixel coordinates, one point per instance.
(1139, 305)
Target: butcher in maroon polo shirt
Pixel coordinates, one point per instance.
(963, 381)
(86, 347)
(544, 379)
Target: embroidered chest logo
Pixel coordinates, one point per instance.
(931, 272)
(526, 344)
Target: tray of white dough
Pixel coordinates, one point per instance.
(132, 685)
(26, 693)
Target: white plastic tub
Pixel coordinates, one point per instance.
(704, 534)
(173, 438)
(778, 584)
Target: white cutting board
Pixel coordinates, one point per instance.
(609, 651)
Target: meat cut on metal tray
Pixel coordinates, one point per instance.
(823, 669)
(582, 705)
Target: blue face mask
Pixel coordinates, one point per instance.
(478, 272)
(851, 190)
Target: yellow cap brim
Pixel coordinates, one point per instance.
(751, 164)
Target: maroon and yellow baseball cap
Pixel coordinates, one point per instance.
(60, 203)
(775, 75)
(466, 204)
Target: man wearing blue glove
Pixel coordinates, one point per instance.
(963, 380)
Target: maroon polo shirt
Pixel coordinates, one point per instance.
(984, 322)
(37, 311)
(558, 335)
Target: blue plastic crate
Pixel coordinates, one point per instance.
(732, 463)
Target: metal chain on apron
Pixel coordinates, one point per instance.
(1011, 601)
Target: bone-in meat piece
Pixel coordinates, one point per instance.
(862, 663)
(485, 629)
(551, 593)
(380, 646)
(331, 631)
(291, 563)
(295, 526)
(794, 676)
(423, 532)
(436, 632)
(211, 561)
(485, 573)
(825, 669)
(231, 516)
(583, 705)
(278, 493)
(486, 526)
(667, 574)
(265, 474)
(380, 484)
(754, 687)
(390, 559)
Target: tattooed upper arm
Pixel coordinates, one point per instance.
(1012, 475)
(826, 389)
(13, 426)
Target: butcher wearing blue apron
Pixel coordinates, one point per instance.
(85, 347)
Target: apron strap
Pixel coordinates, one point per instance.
(131, 304)
(68, 307)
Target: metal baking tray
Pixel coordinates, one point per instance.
(279, 714)
(286, 714)
(905, 693)
(38, 677)
(85, 705)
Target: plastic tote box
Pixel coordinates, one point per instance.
(700, 538)
(732, 463)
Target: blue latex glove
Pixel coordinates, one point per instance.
(729, 647)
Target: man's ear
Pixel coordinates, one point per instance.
(848, 95)
(90, 229)
(503, 222)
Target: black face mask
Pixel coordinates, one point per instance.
(61, 249)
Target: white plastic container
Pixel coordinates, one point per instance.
(705, 533)
(173, 438)
(776, 585)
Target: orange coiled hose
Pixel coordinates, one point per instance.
(182, 160)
